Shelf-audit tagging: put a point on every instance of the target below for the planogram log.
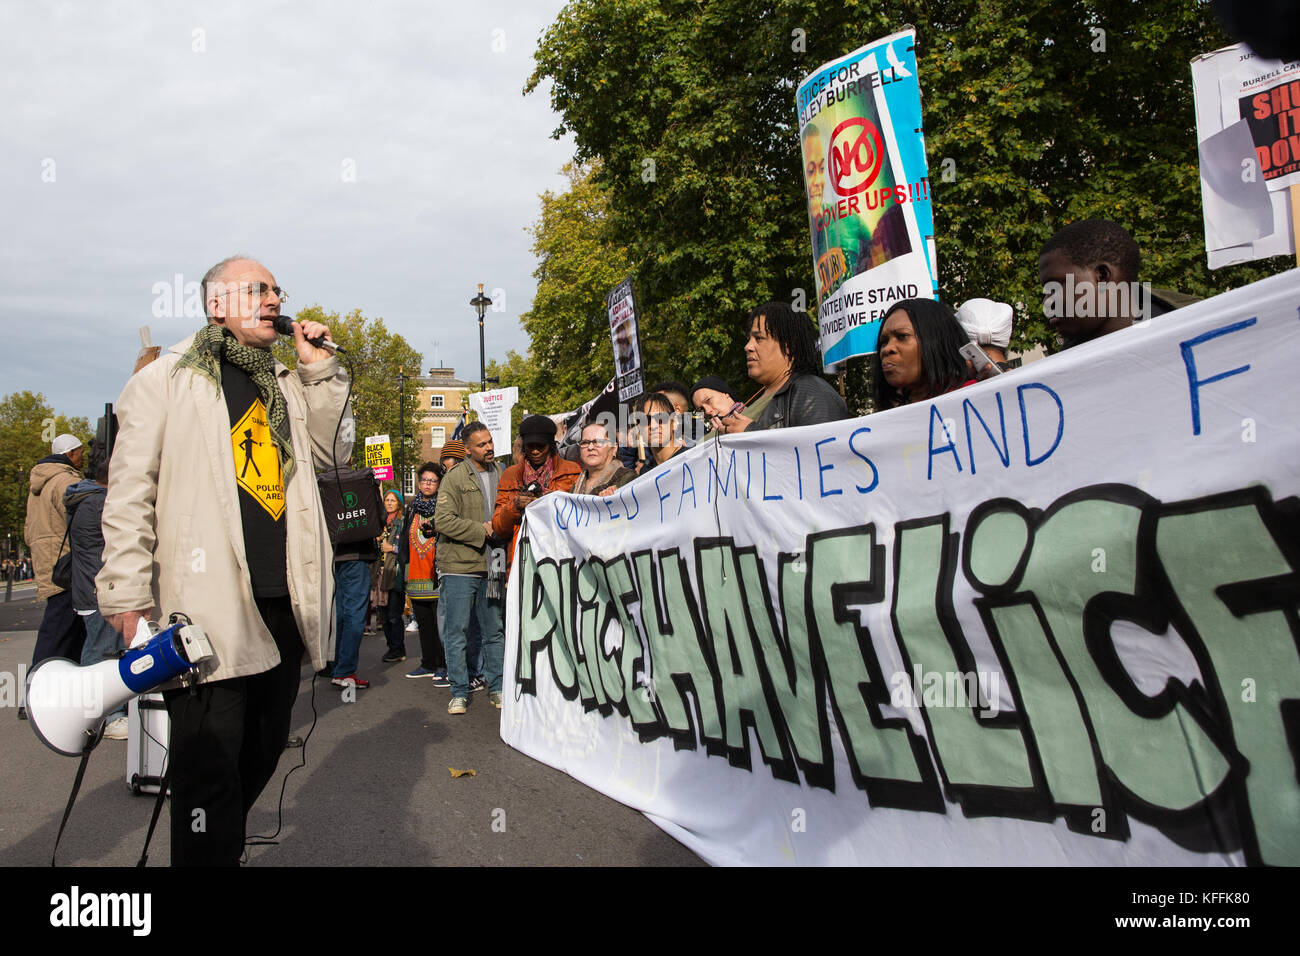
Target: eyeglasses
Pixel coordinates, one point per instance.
(593, 442)
(259, 289)
(428, 481)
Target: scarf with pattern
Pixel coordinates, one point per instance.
(542, 475)
(214, 344)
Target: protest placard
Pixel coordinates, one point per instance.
(870, 214)
(493, 408)
(620, 305)
(1248, 133)
(379, 457)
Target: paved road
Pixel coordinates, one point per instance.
(23, 611)
(375, 790)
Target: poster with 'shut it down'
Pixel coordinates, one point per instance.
(870, 217)
(1248, 144)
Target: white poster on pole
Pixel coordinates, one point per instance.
(493, 408)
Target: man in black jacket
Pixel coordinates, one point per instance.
(84, 504)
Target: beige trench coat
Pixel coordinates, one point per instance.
(173, 535)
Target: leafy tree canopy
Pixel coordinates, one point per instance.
(571, 358)
(1049, 112)
(27, 426)
(376, 357)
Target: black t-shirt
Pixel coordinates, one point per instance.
(261, 486)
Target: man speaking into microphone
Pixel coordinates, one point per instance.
(213, 511)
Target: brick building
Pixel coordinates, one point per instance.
(440, 399)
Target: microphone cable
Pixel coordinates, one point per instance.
(284, 325)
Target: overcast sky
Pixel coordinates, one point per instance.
(145, 139)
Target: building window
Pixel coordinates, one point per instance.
(439, 436)
(435, 401)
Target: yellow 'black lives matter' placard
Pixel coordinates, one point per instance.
(257, 463)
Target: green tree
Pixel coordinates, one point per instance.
(375, 357)
(27, 426)
(1049, 113)
(516, 371)
(571, 358)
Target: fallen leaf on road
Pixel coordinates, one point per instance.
(462, 773)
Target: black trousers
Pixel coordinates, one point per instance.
(62, 632)
(432, 656)
(226, 739)
(394, 622)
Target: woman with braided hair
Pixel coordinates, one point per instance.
(781, 355)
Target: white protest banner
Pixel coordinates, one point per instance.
(493, 408)
(379, 457)
(869, 211)
(1248, 134)
(1046, 619)
(620, 304)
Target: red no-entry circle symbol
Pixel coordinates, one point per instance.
(856, 154)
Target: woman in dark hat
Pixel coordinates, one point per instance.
(713, 397)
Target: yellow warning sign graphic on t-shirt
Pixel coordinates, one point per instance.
(257, 463)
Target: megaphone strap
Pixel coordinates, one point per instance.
(72, 797)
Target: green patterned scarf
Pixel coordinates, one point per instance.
(213, 344)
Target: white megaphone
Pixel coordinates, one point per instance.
(66, 702)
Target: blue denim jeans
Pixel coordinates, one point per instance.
(351, 592)
(102, 642)
(464, 596)
(473, 643)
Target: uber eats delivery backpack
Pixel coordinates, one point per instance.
(354, 510)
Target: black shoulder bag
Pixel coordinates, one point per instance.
(353, 507)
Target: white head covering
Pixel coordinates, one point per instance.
(986, 322)
(64, 444)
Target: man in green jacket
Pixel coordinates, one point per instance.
(471, 563)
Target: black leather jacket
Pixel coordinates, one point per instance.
(803, 400)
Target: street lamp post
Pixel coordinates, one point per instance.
(481, 303)
(18, 502)
(402, 425)
(19, 474)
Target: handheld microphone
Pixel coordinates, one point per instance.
(284, 325)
